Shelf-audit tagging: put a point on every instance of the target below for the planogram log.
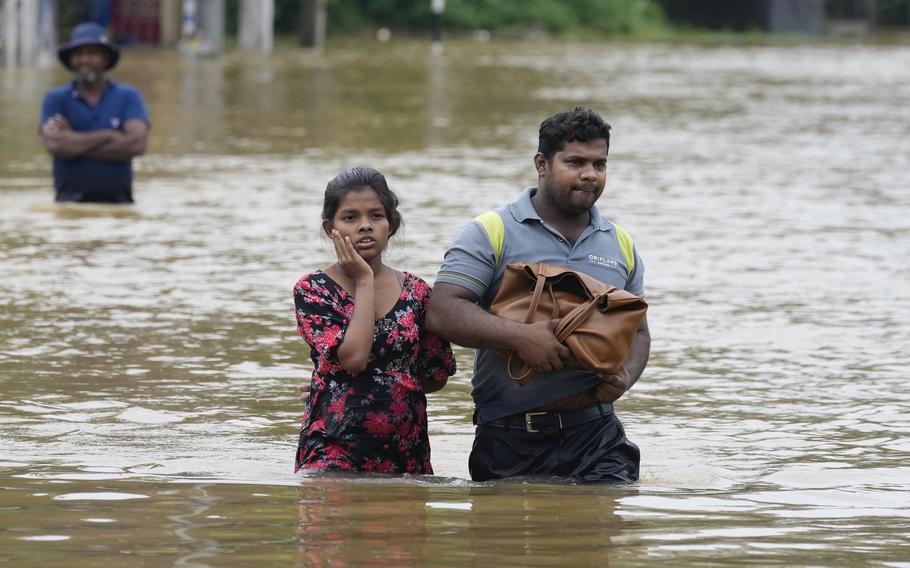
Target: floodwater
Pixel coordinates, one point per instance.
(149, 359)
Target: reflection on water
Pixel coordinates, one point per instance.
(505, 524)
(149, 361)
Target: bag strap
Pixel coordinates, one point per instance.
(493, 226)
(576, 317)
(563, 330)
(541, 283)
(526, 372)
(535, 296)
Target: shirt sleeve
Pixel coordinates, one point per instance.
(635, 284)
(321, 322)
(135, 107)
(435, 361)
(470, 262)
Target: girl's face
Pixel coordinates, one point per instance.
(361, 216)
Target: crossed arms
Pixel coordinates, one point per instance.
(455, 315)
(107, 144)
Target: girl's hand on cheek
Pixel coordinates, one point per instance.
(350, 261)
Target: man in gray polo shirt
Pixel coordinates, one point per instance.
(560, 423)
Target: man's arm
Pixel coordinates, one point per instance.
(640, 351)
(432, 386)
(62, 141)
(453, 314)
(614, 386)
(124, 145)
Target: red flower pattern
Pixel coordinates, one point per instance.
(378, 424)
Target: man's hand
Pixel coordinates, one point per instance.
(540, 349)
(55, 124)
(122, 144)
(612, 387)
(303, 392)
(62, 141)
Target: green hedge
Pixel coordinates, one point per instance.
(558, 16)
(602, 17)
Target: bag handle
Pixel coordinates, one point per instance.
(526, 371)
(535, 297)
(576, 317)
(564, 328)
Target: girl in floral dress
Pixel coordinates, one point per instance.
(372, 358)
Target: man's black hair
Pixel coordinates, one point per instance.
(356, 178)
(577, 125)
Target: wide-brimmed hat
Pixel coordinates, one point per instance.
(88, 33)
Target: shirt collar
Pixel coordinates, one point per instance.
(598, 221)
(523, 210)
(74, 92)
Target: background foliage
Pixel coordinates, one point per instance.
(592, 17)
(557, 16)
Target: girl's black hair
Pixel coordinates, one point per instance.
(356, 178)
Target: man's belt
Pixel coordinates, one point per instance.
(548, 421)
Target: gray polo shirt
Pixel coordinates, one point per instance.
(471, 263)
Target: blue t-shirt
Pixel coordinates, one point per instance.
(85, 179)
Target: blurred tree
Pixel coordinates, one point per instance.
(887, 12)
(559, 16)
(605, 16)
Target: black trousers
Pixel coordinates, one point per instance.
(593, 452)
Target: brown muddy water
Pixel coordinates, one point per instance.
(149, 360)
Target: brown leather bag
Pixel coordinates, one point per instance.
(597, 321)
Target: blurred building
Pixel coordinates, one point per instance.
(31, 29)
(28, 32)
(142, 22)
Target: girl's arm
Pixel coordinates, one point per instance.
(354, 351)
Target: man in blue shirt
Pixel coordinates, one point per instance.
(561, 423)
(93, 126)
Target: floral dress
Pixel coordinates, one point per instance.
(376, 420)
